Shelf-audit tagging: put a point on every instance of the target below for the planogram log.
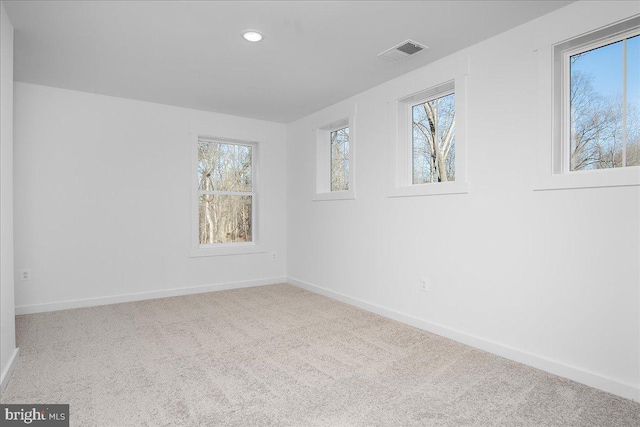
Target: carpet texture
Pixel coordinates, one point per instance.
(279, 355)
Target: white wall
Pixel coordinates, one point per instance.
(549, 278)
(7, 320)
(103, 200)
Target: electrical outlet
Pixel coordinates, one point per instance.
(424, 284)
(25, 274)
(273, 255)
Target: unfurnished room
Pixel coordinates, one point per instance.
(320, 213)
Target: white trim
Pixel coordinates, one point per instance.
(228, 249)
(614, 177)
(591, 379)
(335, 195)
(139, 296)
(8, 370)
(430, 189)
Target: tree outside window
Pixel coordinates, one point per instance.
(226, 197)
(604, 102)
(434, 140)
(340, 159)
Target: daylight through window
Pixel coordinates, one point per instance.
(434, 140)
(340, 159)
(604, 104)
(226, 195)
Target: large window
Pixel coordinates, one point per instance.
(226, 198)
(433, 140)
(602, 102)
(228, 206)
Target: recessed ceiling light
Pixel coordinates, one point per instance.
(252, 36)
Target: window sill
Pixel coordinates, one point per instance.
(623, 177)
(335, 195)
(434, 189)
(237, 249)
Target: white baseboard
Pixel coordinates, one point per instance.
(8, 370)
(592, 379)
(115, 299)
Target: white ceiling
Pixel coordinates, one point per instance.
(191, 54)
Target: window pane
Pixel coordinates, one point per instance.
(633, 101)
(596, 108)
(434, 140)
(224, 167)
(340, 159)
(225, 219)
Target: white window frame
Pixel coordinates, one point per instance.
(406, 114)
(401, 141)
(562, 67)
(553, 156)
(322, 138)
(257, 208)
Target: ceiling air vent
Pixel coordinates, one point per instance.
(402, 51)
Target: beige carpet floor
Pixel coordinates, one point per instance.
(279, 355)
